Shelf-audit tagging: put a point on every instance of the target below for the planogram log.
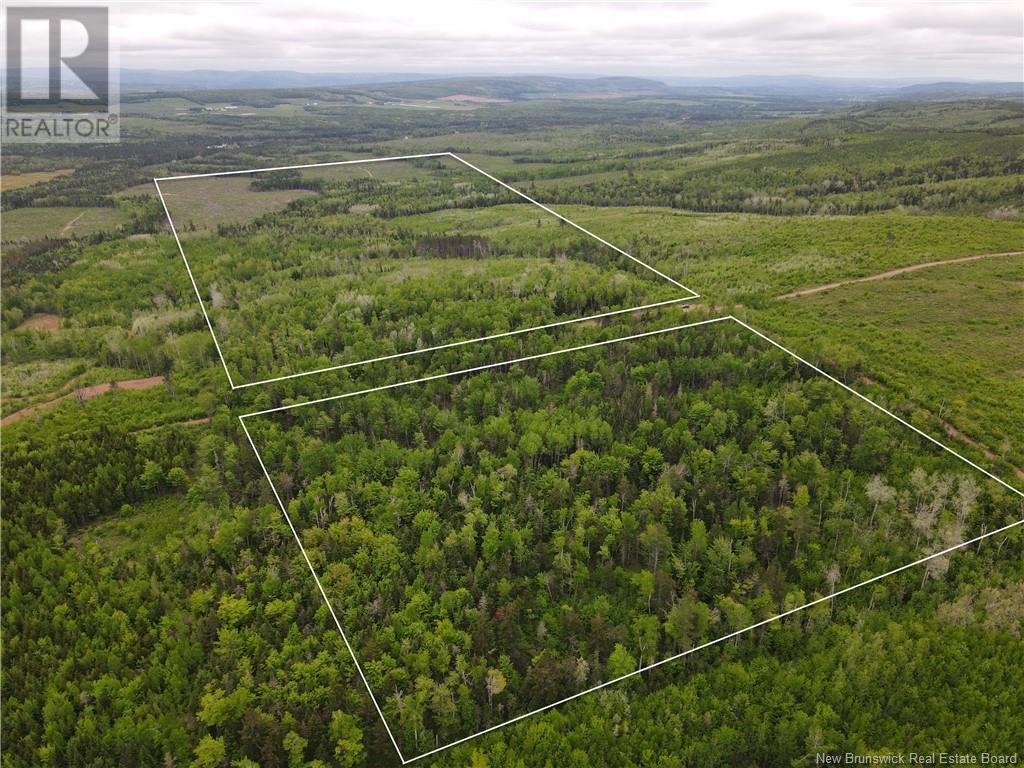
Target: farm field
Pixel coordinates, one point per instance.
(528, 532)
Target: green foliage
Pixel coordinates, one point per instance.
(500, 543)
(620, 662)
(920, 337)
(481, 523)
(359, 272)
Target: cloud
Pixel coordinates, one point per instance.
(840, 39)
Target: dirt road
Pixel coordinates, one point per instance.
(70, 225)
(84, 393)
(894, 273)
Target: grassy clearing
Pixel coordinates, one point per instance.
(23, 224)
(141, 128)
(744, 257)
(750, 257)
(207, 203)
(137, 190)
(143, 526)
(161, 106)
(947, 339)
(13, 181)
(42, 322)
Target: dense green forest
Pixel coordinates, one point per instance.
(330, 278)
(496, 541)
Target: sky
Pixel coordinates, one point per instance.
(925, 41)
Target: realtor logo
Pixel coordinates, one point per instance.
(60, 84)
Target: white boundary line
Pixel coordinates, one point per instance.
(199, 296)
(478, 368)
(324, 595)
(451, 344)
(303, 165)
(574, 224)
(668, 659)
(721, 639)
(202, 305)
(873, 404)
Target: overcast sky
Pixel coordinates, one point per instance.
(921, 40)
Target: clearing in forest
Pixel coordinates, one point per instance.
(894, 273)
(41, 322)
(12, 181)
(496, 541)
(307, 269)
(23, 225)
(957, 353)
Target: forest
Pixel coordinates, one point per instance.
(361, 270)
(498, 540)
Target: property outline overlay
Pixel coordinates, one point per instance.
(156, 181)
(666, 660)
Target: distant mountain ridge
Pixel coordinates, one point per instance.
(524, 87)
(215, 79)
(954, 89)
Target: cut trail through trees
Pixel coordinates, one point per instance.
(893, 273)
(985, 451)
(955, 433)
(66, 229)
(84, 394)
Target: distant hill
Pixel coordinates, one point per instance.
(961, 90)
(403, 85)
(218, 79)
(525, 87)
(808, 86)
(792, 85)
(399, 85)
